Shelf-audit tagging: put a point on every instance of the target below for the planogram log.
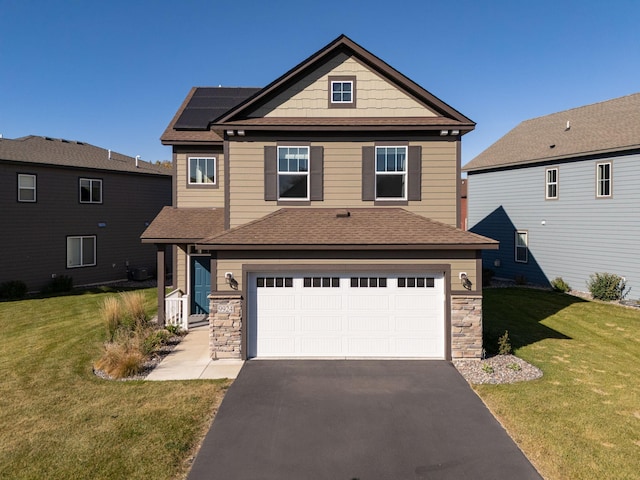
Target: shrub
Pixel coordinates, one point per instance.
(559, 285)
(607, 286)
(13, 289)
(60, 284)
(174, 329)
(504, 344)
(153, 340)
(520, 279)
(487, 276)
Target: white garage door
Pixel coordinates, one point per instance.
(324, 315)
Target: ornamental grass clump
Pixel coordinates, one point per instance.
(112, 314)
(122, 357)
(133, 304)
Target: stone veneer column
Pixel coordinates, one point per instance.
(466, 326)
(225, 324)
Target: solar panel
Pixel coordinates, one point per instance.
(209, 103)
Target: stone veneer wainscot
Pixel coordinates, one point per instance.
(225, 325)
(466, 327)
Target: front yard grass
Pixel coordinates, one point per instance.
(581, 420)
(58, 420)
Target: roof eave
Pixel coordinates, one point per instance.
(443, 246)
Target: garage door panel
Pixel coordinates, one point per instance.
(355, 316)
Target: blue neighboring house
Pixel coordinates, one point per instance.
(562, 195)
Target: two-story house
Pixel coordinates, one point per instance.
(316, 217)
(560, 193)
(74, 209)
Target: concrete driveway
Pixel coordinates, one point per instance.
(361, 419)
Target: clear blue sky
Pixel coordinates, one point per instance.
(113, 73)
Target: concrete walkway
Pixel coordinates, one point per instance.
(190, 361)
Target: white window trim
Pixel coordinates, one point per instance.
(525, 247)
(599, 180)
(215, 171)
(90, 180)
(342, 82)
(549, 183)
(404, 174)
(34, 188)
(82, 237)
(307, 173)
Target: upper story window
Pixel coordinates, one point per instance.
(81, 251)
(522, 247)
(202, 170)
(26, 187)
(603, 180)
(391, 173)
(552, 183)
(90, 190)
(293, 173)
(342, 91)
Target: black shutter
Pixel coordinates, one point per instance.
(368, 174)
(317, 173)
(270, 173)
(414, 173)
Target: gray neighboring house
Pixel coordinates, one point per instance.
(562, 195)
(70, 208)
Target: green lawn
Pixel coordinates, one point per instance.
(57, 420)
(581, 420)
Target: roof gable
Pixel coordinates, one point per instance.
(343, 48)
(601, 128)
(67, 153)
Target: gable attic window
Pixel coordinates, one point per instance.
(603, 180)
(90, 190)
(202, 171)
(26, 187)
(342, 91)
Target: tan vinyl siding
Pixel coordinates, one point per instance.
(467, 265)
(343, 180)
(375, 96)
(180, 275)
(199, 197)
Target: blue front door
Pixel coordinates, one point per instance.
(200, 284)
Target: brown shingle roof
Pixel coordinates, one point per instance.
(304, 228)
(603, 127)
(51, 151)
(187, 225)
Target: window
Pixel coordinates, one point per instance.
(416, 282)
(522, 247)
(391, 173)
(603, 183)
(342, 91)
(26, 188)
(368, 282)
(274, 282)
(293, 173)
(81, 251)
(202, 171)
(552, 183)
(321, 282)
(90, 190)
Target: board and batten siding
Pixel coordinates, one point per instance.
(198, 197)
(375, 96)
(571, 237)
(343, 180)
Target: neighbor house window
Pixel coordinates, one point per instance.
(81, 251)
(603, 185)
(293, 173)
(391, 173)
(552, 183)
(26, 188)
(202, 171)
(90, 190)
(522, 247)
